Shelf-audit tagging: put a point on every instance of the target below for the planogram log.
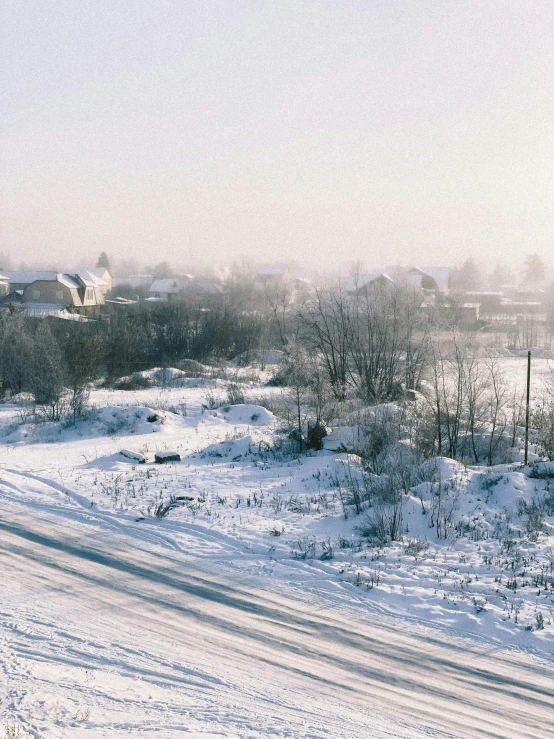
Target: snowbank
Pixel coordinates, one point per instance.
(344, 438)
(246, 413)
(108, 421)
(233, 449)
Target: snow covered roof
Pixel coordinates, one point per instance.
(205, 287)
(122, 301)
(357, 282)
(50, 310)
(441, 275)
(271, 269)
(67, 280)
(169, 286)
(3, 278)
(90, 278)
(28, 276)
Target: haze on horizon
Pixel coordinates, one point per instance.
(199, 131)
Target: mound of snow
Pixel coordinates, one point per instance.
(344, 438)
(34, 433)
(104, 422)
(540, 470)
(246, 413)
(191, 366)
(439, 468)
(166, 377)
(132, 420)
(233, 449)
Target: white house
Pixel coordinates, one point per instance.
(164, 291)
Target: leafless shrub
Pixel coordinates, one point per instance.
(161, 509)
(444, 503)
(304, 548)
(211, 401)
(383, 524)
(416, 548)
(327, 552)
(235, 394)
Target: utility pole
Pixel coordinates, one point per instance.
(527, 406)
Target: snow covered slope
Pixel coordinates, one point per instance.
(106, 634)
(227, 595)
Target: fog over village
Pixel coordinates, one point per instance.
(276, 369)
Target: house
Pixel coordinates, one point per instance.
(62, 291)
(4, 286)
(272, 273)
(434, 279)
(99, 276)
(19, 279)
(421, 279)
(362, 283)
(490, 302)
(165, 291)
(11, 299)
(204, 287)
(441, 277)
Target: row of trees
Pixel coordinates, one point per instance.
(376, 346)
(55, 366)
(469, 276)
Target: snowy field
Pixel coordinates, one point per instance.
(108, 628)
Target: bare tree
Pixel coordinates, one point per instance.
(48, 374)
(82, 354)
(325, 321)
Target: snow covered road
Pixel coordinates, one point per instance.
(101, 638)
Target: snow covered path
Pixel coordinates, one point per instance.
(101, 638)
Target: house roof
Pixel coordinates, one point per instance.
(51, 310)
(123, 301)
(169, 286)
(206, 287)
(28, 276)
(87, 282)
(441, 275)
(271, 269)
(358, 281)
(97, 271)
(67, 280)
(89, 277)
(63, 279)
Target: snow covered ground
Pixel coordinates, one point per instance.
(254, 608)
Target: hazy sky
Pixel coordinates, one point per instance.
(324, 130)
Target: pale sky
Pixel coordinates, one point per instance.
(325, 131)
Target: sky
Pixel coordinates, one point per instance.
(324, 131)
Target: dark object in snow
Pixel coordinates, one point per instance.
(163, 457)
(184, 497)
(153, 418)
(134, 456)
(316, 433)
(540, 470)
(295, 435)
